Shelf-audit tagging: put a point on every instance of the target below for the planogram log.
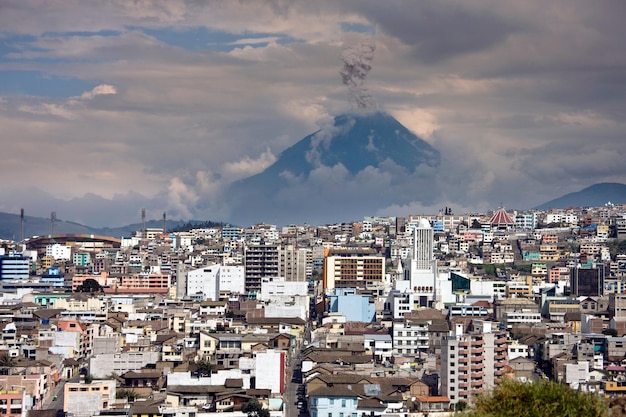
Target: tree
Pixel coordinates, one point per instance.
(545, 398)
(6, 364)
(204, 367)
(128, 394)
(254, 408)
(610, 332)
(89, 285)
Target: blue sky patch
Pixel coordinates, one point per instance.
(39, 83)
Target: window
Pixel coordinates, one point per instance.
(343, 405)
(332, 401)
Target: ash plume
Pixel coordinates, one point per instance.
(357, 62)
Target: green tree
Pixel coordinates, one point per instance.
(126, 393)
(545, 398)
(89, 285)
(204, 367)
(7, 363)
(254, 408)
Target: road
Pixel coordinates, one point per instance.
(292, 385)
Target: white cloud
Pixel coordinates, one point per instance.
(99, 90)
(248, 166)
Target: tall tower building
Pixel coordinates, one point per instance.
(421, 275)
(587, 282)
(472, 363)
(423, 238)
(260, 261)
(296, 264)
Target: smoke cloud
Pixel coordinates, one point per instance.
(357, 62)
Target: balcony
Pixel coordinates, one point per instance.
(477, 384)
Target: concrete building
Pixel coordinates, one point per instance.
(103, 365)
(587, 281)
(353, 268)
(421, 274)
(411, 337)
(14, 267)
(472, 363)
(85, 400)
(270, 370)
(355, 307)
(211, 280)
(295, 264)
(260, 260)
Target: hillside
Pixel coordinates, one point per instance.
(592, 196)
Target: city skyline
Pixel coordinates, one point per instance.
(162, 104)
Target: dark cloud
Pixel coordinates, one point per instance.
(523, 100)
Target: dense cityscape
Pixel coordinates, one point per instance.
(386, 317)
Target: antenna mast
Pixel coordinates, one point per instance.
(21, 225)
(143, 223)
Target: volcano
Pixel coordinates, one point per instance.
(356, 166)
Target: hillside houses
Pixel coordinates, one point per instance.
(382, 317)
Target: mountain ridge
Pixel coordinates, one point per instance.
(358, 152)
(593, 196)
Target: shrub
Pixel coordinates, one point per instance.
(545, 398)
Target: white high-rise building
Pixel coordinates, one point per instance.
(420, 276)
(423, 237)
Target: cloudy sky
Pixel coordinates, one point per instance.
(112, 106)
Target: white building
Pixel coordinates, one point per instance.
(380, 345)
(211, 280)
(277, 287)
(410, 338)
(421, 274)
(577, 374)
(59, 252)
(270, 370)
(511, 318)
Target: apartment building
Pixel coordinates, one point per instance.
(411, 337)
(353, 268)
(260, 261)
(472, 363)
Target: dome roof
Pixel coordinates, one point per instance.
(424, 224)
